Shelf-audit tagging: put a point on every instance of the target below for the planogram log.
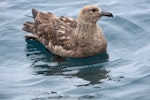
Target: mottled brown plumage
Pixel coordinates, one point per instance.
(67, 37)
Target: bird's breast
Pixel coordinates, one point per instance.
(92, 46)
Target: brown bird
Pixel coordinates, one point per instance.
(68, 37)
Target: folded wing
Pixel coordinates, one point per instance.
(54, 32)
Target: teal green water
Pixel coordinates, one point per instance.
(29, 72)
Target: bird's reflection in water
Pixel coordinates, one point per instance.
(90, 69)
(92, 74)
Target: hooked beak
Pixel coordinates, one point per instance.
(108, 14)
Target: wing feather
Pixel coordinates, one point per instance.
(51, 30)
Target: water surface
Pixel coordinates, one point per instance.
(29, 72)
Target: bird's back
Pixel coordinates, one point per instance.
(54, 32)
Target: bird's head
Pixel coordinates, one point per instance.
(91, 14)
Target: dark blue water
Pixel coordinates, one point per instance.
(29, 72)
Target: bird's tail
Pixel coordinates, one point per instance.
(29, 26)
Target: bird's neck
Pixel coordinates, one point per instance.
(86, 28)
(85, 33)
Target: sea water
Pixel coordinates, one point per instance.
(29, 72)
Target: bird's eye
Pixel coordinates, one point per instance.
(93, 10)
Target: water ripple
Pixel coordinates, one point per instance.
(29, 71)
